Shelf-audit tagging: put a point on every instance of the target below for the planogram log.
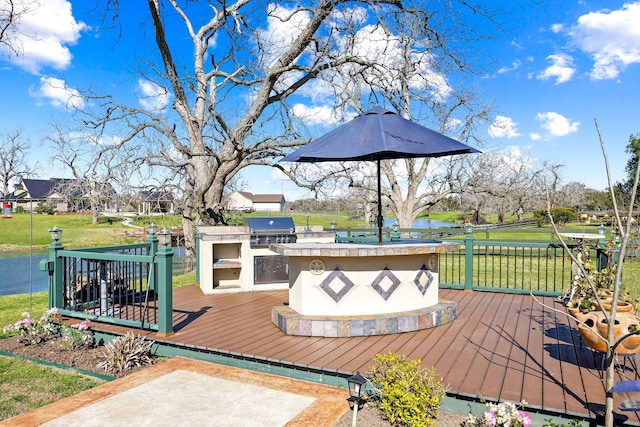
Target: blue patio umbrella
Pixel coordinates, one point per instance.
(376, 135)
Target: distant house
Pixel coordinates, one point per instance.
(62, 194)
(245, 201)
(156, 202)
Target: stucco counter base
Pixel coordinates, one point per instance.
(351, 290)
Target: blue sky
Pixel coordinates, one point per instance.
(560, 64)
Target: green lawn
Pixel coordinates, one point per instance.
(27, 386)
(22, 230)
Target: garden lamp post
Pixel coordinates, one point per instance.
(152, 229)
(164, 237)
(602, 230)
(55, 269)
(468, 229)
(55, 233)
(356, 383)
(396, 231)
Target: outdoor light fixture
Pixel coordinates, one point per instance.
(152, 229)
(333, 225)
(395, 227)
(468, 228)
(55, 233)
(356, 401)
(164, 237)
(629, 391)
(602, 230)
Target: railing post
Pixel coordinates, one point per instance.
(164, 271)
(468, 257)
(56, 284)
(153, 249)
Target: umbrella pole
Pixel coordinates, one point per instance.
(379, 218)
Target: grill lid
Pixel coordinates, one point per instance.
(269, 225)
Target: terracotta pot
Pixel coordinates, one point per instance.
(631, 343)
(625, 323)
(573, 311)
(591, 318)
(591, 339)
(621, 306)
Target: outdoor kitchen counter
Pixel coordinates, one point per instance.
(393, 248)
(355, 289)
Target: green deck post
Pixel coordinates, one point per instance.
(164, 271)
(153, 249)
(56, 284)
(468, 259)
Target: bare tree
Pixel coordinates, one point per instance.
(230, 108)
(412, 61)
(99, 168)
(509, 184)
(11, 12)
(14, 160)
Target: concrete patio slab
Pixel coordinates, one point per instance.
(186, 392)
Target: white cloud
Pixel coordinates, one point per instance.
(535, 136)
(561, 68)
(503, 127)
(314, 115)
(152, 96)
(43, 35)
(373, 43)
(283, 26)
(556, 124)
(56, 93)
(514, 66)
(556, 28)
(612, 38)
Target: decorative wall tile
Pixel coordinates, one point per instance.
(423, 279)
(336, 279)
(385, 283)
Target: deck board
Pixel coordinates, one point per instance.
(501, 346)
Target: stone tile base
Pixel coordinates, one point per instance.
(292, 323)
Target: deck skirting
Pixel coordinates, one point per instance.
(291, 322)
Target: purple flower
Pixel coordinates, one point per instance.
(489, 418)
(525, 419)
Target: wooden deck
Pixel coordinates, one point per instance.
(502, 346)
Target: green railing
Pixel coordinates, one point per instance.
(128, 285)
(543, 268)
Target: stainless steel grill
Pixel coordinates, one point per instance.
(265, 231)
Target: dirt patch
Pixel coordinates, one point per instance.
(370, 416)
(53, 350)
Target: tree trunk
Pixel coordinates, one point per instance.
(189, 231)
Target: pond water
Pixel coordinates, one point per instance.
(20, 273)
(421, 223)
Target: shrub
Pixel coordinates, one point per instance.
(559, 215)
(44, 208)
(126, 352)
(33, 331)
(406, 394)
(77, 335)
